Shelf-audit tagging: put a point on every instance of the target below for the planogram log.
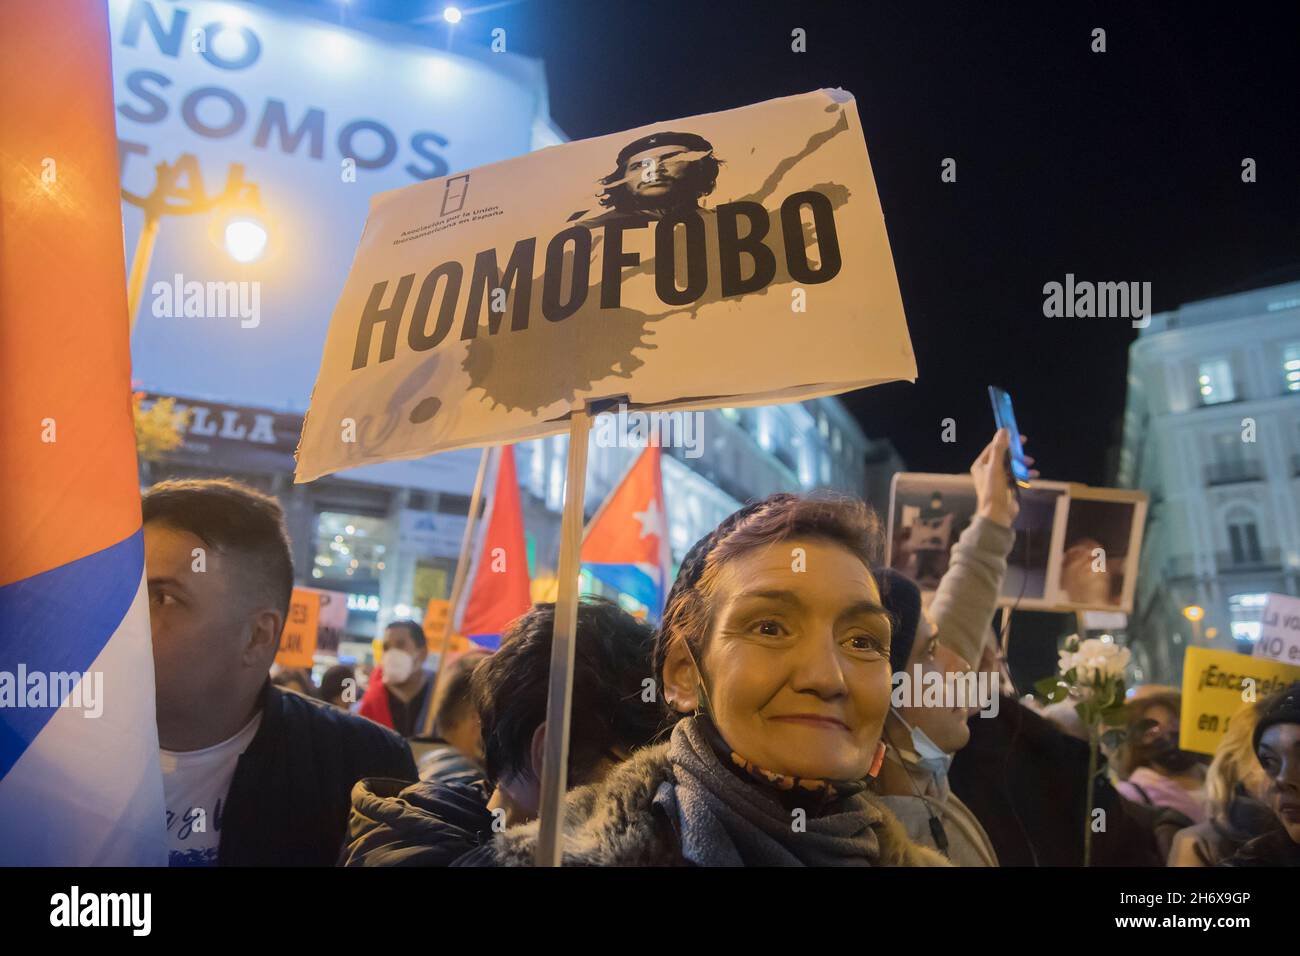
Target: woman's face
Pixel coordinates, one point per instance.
(1279, 755)
(797, 662)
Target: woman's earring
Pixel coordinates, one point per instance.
(878, 760)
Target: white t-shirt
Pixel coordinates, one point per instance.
(195, 784)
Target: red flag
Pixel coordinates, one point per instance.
(499, 586)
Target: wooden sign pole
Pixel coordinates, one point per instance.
(555, 765)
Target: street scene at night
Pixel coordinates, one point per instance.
(574, 434)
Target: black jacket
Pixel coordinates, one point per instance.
(1024, 779)
(1271, 849)
(289, 798)
(430, 823)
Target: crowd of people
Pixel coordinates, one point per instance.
(756, 725)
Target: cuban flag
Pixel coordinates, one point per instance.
(626, 542)
(79, 775)
(499, 589)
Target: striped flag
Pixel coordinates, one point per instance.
(79, 776)
(626, 543)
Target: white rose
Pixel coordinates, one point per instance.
(1098, 660)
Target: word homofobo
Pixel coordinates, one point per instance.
(736, 244)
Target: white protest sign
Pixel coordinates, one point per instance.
(735, 258)
(1279, 630)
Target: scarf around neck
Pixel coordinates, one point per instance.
(724, 819)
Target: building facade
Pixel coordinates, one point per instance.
(390, 547)
(1212, 433)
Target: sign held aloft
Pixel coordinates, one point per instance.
(727, 259)
(1279, 630)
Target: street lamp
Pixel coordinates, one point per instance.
(245, 239)
(1194, 613)
(244, 235)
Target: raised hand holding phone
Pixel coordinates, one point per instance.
(995, 497)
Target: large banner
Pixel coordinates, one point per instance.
(736, 258)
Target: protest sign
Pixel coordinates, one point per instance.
(298, 639)
(735, 258)
(1279, 630)
(1217, 684)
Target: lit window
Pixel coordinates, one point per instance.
(1244, 613)
(1215, 382)
(1291, 367)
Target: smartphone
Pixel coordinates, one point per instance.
(1005, 417)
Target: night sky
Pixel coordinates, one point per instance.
(1115, 166)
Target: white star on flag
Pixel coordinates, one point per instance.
(651, 520)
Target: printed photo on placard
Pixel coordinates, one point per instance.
(928, 513)
(1100, 548)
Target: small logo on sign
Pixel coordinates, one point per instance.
(453, 194)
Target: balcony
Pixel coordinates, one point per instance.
(1233, 472)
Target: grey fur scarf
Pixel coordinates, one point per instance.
(675, 804)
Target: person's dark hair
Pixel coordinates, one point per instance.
(454, 691)
(703, 173)
(613, 660)
(234, 519)
(416, 632)
(902, 598)
(332, 681)
(1280, 707)
(688, 613)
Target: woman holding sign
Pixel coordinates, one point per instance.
(773, 661)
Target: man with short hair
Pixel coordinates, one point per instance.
(432, 824)
(252, 775)
(401, 698)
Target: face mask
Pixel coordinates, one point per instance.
(397, 666)
(931, 757)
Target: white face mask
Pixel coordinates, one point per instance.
(397, 666)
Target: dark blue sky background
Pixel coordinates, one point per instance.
(1115, 166)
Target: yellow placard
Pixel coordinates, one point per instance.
(298, 639)
(1215, 687)
(435, 620)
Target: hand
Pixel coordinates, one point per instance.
(996, 500)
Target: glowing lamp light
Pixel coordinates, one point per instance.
(245, 240)
(1211, 633)
(451, 14)
(1193, 613)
